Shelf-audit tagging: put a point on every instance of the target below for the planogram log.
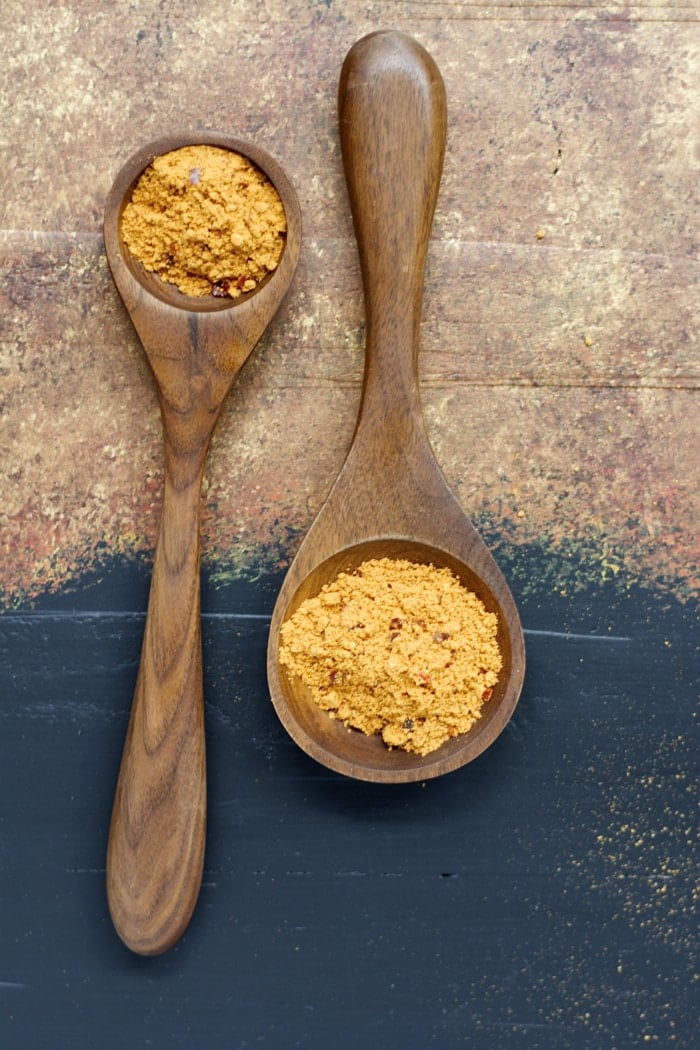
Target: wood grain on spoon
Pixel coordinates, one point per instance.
(391, 498)
(196, 348)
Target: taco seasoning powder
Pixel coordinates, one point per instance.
(206, 220)
(396, 648)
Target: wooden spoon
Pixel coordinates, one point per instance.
(390, 498)
(195, 348)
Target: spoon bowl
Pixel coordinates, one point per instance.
(195, 347)
(367, 757)
(390, 498)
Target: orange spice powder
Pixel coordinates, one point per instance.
(396, 648)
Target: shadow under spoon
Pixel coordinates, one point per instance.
(390, 498)
(195, 347)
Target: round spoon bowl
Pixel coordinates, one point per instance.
(364, 757)
(154, 286)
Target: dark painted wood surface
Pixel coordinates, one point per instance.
(543, 896)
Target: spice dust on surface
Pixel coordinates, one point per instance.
(396, 648)
(207, 220)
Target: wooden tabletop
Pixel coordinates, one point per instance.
(544, 895)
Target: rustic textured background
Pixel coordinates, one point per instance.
(559, 339)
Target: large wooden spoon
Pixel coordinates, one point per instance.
(390, 498)
(195, 348)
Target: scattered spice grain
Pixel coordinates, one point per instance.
(396, 648)
(207, 220)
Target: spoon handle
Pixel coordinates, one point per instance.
(393, 117)
(156, 841)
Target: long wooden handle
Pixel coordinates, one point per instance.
(392, 114)
(156, 842)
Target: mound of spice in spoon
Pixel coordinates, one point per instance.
(207, 220)
(396, 648)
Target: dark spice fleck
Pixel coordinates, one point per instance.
(222, 289)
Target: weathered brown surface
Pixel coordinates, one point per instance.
(561, 306)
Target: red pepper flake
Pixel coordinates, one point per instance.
(440, 636)
(487, 694)
(227, 286)
(396, 624)
(222, 289)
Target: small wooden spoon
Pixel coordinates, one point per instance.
(195, 348)
(390, 498)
